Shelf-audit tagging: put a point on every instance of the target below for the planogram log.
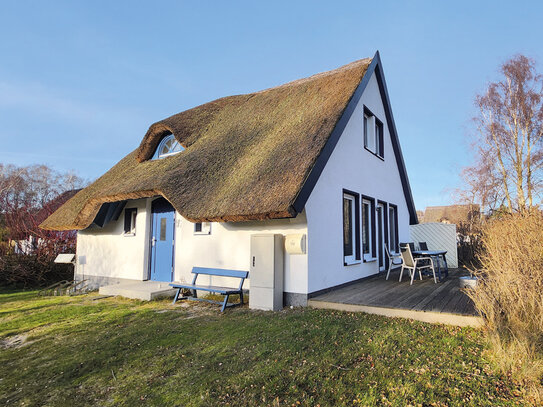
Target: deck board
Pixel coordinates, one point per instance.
(425, 300)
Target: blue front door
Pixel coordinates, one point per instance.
(162, 240)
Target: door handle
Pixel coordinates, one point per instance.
(153, 241)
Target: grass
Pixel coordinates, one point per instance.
(70, 351)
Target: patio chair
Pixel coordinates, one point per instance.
(414, 264)
(437, 259)
(411, 245)
(391, 258)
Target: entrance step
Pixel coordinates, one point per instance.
(141, 290)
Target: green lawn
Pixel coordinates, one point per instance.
(78, 351)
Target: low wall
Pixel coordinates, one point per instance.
(438, 236)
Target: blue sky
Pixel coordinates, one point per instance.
(80, 82)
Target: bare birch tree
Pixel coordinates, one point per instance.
(509, 142)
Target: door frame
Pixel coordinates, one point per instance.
(150, 241)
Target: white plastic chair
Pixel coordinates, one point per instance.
(413, 264)
(391, 258)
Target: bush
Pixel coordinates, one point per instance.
(31, 271)
(509, 294)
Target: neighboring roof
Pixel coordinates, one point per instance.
(451, 213)
(247, 157)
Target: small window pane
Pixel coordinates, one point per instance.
(130, 215)
(365, 130)
(393, 228)
(347, 227)
(168, 146)
(163, 229)
(366, 228)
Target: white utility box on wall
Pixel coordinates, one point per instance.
(295, 244)
(266, 272)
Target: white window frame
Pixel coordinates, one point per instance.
(351, 259)
(374, 137)
(367, 256)
(370, 141)
(133, 218)
(205, 228)
(164, 140)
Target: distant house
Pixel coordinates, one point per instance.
(457, 214)
(318, 157)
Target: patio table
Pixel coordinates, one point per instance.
(436, 254)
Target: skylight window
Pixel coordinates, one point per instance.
(168, 146)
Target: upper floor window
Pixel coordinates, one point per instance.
(373, 133)
(168, 146)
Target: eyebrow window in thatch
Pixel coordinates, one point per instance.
(167, 146)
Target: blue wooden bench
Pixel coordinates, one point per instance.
(226, 291)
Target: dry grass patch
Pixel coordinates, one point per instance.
(510, 295)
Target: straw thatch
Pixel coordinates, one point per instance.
(451, 214)
(246, 157)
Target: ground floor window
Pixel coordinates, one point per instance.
(202, 228)
(130, 221)
(368, 232)
(351, 228)
(393, 228)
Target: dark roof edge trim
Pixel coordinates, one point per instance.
(322, 159)
(324, 156)
(413, 219)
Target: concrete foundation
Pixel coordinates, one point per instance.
(141, 290)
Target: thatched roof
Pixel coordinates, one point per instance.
(451, 214)
(247, 156)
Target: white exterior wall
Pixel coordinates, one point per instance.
(109, 253)
(354, 168)
(229, 247)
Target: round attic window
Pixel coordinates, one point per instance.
(168, 146)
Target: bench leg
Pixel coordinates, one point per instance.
(224, 303)
(176, 295)
(241, 297)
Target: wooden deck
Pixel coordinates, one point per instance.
(426, 301)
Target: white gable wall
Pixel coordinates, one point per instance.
(351, 167)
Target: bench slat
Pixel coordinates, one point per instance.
(226, 291)
(220, 272)
(217, 289)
